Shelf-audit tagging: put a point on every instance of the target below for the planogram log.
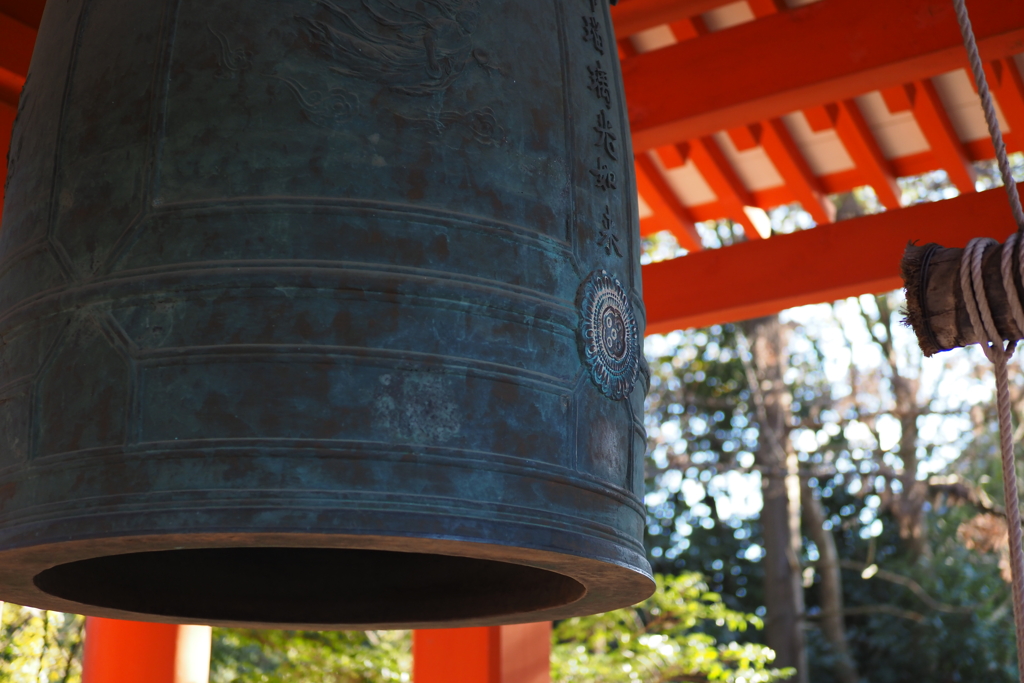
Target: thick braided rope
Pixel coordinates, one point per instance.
(972, 285)
(1009, 284)
(994, 349)
(990, 112)
(1012, 508)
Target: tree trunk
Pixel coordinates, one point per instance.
(780, 516)
(831, 584)
(908, 506)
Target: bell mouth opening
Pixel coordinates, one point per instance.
(308, 585)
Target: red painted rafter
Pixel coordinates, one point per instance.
(632, 16)
(626, 48)
(762, 8)
(719, 174)
(899, 98)
(745, 137)
(10, 89)
(950, 153)
(16, 43)
(7, 112)
(857, 46)
(687, 29)
(722, 170)
(28, 12)
(669, 212)
(860, 143)
(673, 156)
(789, 161)
(858, 256)
(1005, 81)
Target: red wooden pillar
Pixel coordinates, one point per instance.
(494, 654)
(137, 652)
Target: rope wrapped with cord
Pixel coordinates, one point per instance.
(949, 305)
(972, 281)
(937, 303)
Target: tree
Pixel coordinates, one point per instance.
(267, 656)
(39, 646)
(780, 477)
(671, 636)
(893, 471)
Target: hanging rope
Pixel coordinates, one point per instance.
(988, 106)
(973, 286)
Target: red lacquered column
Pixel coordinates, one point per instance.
(136, 652)
(495, 654)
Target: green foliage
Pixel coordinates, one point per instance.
(664, 638)
(255, 656)
(39, 646)
(844, 428)
(700, 424)
(671, 636)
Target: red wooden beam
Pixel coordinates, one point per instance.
(1006, 84)
(899, 98)
(762, 8)
(17, 39)
(7, 113)
(858, 256)
(626, 48)
(28, 12)
(789, 161)
(16, 43)
(746, 137)
(821, 117)
(669, 212)
(860, 142)
(721, 177)
(10, 88)
(632, 16)
(687, 29)
(951, 154)
(822, 52)
(673, 156)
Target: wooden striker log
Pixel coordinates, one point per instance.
(935, 300)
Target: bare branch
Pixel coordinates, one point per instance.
(907, 582)
(883, 609)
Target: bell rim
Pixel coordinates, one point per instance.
(608, 583)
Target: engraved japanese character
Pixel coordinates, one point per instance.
(605, 136)
(606, 237)
(603, 178)
(592, 33)
(599, 84)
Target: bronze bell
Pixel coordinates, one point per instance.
(322, 313)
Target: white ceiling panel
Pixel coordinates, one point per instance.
(898, 135)
(964, 106)
(823, 150)
(729, 15)
(752, 166)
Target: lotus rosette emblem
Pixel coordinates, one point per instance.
(609, 335)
